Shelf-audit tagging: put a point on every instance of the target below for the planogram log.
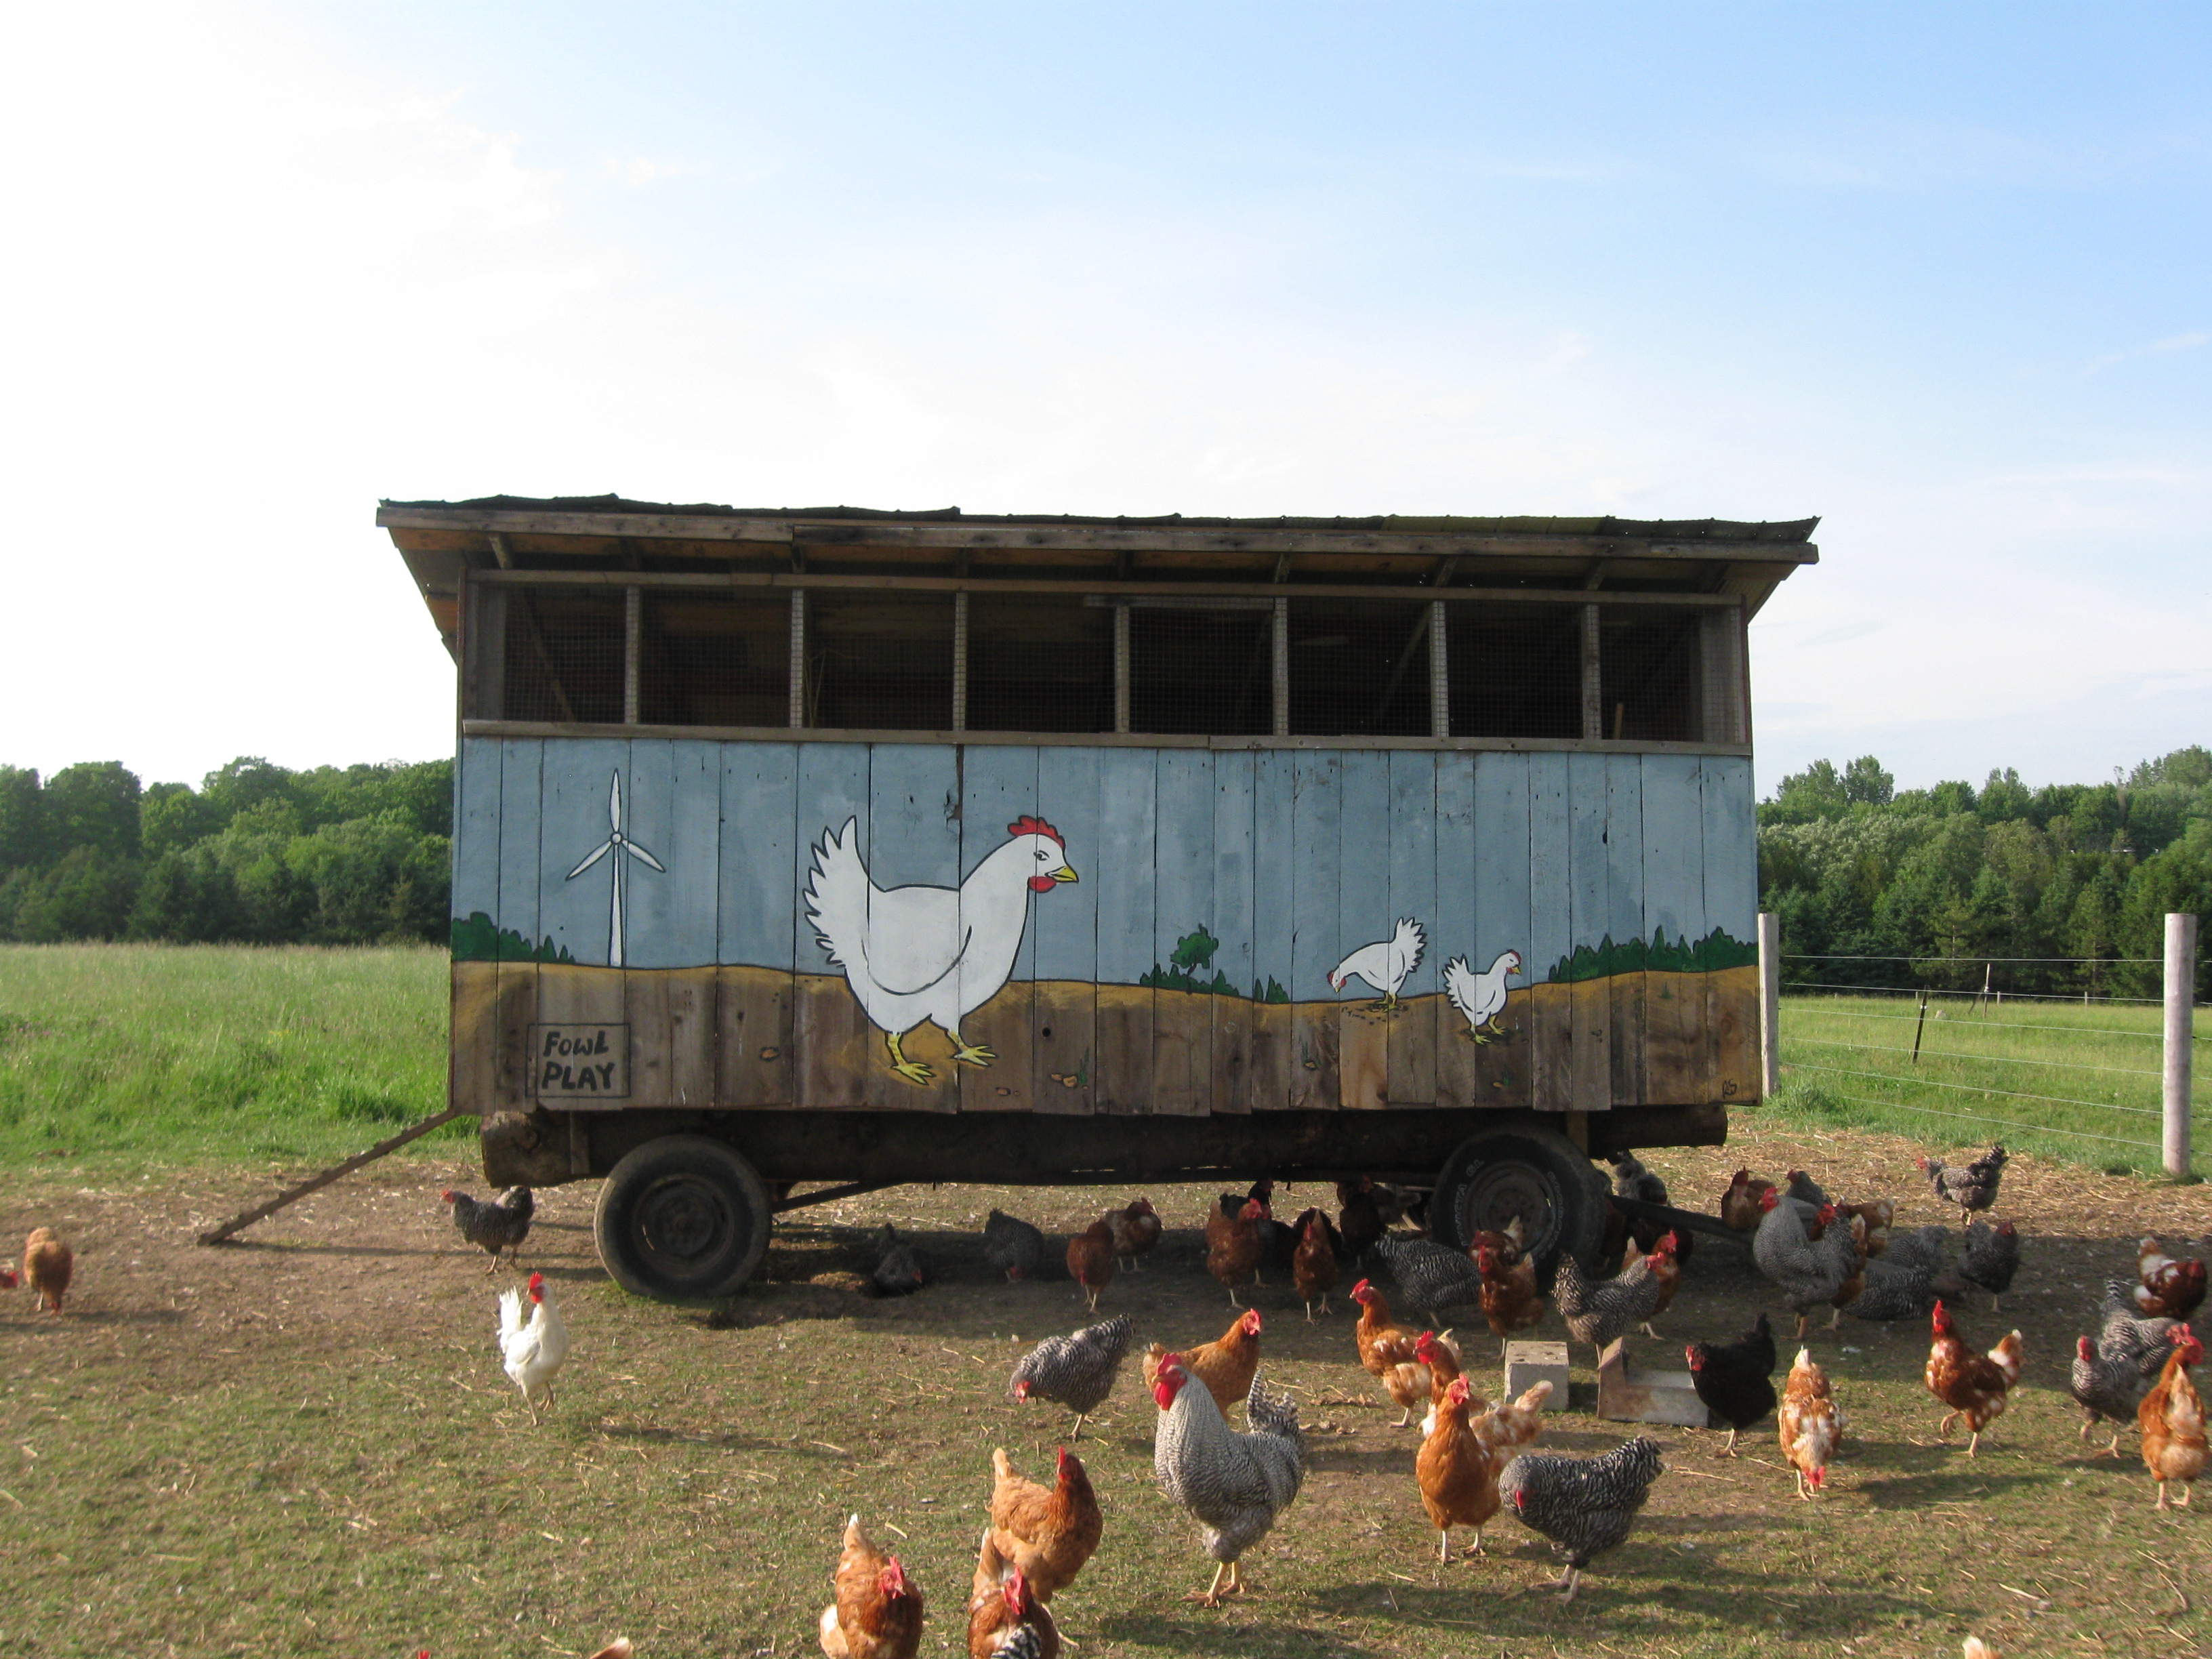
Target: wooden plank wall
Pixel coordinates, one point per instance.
(1287, 859)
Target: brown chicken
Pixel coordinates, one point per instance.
(1505, 1428)
(47, 1264)
(1383, 1342)
(1313, 1266)
(1224, 1365)
(1810, 1423)
(1090, 1259)
(1048, 1532)
(1510, 1300)
(1506, 1245)
(1136, 1228)
(1879, 1214)
(2172, 1418)
(2171, 1289)
(1001, 1604)
(878, 1612)
(1459, 1488)
(1233, 1247)
(1974, 1386)
(1740, 1204)
(1412, 1382)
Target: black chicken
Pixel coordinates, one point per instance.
(1731, 1377)
(1431, 1276)
(1012, 1245)
(1584, 1505)
(1278, 1244)
(898, 1270)
(1631, 1179)
(494, 1226)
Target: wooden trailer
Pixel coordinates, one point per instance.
(869, 846)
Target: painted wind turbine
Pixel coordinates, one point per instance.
(617, 842)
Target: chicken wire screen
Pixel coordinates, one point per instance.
(1359, 668)
(880, 662)
(1202, 670)
(1039, 663)
(563, 655)
(1515, 671)
(1650, 668)
(707, 660)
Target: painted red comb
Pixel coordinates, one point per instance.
(1028, 825)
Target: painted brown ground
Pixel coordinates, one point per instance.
(305, 1446)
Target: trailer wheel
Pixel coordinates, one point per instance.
(681, 1218)
(1536, 1174)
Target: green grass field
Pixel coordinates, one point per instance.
(2075, 1082)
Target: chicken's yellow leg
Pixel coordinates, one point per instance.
(911, 1070)
(970, 1054)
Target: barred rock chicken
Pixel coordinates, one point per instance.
(1973, 1187)
(1359, 1219)
(1431, 1276)
(1313, 1264)
(1584, 1505)
(1076, 1371)
(1090, 1259)
(1006, 1619)
(1740, 1204)
(1991, 1258)
(1046, 1532)
(1809, 1424)
(1136, 1228)
(1233, 1485)
(1598, 1312)
(2172, 1418)
(1233, 1247)
(1458, 1486)
(898, 1269)
(878, 1612)
(1731, 1378)
(1928, 1247)
(1381, 1340)
(1892, 1290)
(2110, 1386)
(1631, 1180)
(1013, 1246)
(493, 1227)
(532, 1352)
(2171, 1289)
(48, 1265)
(1510, 1300)
(1807, 1271)
(1225, 1365)
(1976, 1387)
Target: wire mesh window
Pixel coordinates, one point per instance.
(1516, 671)
(1202, 669)
(1648, 668)
(1359, 668)
(707, 660)
(879, 661)
(1039, 663)
(563, 655)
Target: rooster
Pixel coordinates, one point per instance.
(930, 955)
(48, 1264)
(2171, 1289)
(1076, 1371)
(1047, 1533)
(2172, 1418)
(1809, 1423)
(533, 1353)
(494, 1226)
(1973, 1187)
(878, 1612)
(1233, 1485)
(1233, 1246)
(1006, 1619)
(1090, 1259)
(1385, 963)
(1313, 1264)
(1136, 1228)
(1458, 1486)
(1480, 998)
(1584, 1505)
(1976, 1387)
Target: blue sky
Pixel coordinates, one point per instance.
(1938, 275)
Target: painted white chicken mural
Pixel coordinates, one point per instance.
(1479, 997)
(930, 955)
(1385, 963)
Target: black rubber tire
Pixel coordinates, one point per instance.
(1537, 1174)
(681, 1218)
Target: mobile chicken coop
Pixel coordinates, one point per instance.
(872, 846)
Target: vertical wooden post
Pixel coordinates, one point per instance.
(798, 657)
(1592, 679)
(1770, 1002)
(960, 660)
(633, 635)
(1918, 1026)
(1439, 674)
(1121, 668)
(2180, 999)
(1281, 723)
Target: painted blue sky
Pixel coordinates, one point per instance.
(1938, 275)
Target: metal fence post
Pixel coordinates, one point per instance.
(2180, 997)
(1770, 1002)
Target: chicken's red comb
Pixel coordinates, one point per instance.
(1029, 824)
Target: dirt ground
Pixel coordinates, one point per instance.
(372, 1266)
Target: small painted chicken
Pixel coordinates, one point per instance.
(1233, 1248)
(1740, 1205)
(1077, 1371)
(2110, 1386)
(1233, 1485)
(1731, 1378)
(1006, 1619)
(2172, 1418)
(1975, 1386)
(1359, 1219)
(532, 1353)
(1090, 1259)
(1225, 1364)
(1598, 1311)
(1480, 998)
(1313, 1265)
(2172, 1288)
(493, 1227)
(1973, 1188)
(1385, 963)
(1046, 1532)
(1809, 1424)
(1458, 1486)
(1991, 1258)
(1136, 1228)
(1429, 1275)
(1584, 1505)
(1383, 1342)
(898, 1269)
(48, 1264)
(1510, 1300)
(1013, 1246)
(878, 1612)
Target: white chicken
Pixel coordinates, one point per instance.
(1480, 997)
(916, 955)
(1385, 963)
(533, 1352)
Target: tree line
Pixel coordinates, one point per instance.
(1938, 887)
(257, 854)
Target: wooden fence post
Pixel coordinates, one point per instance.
(1769, 1001)
(2180, 998)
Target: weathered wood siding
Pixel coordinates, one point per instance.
(1285, 860)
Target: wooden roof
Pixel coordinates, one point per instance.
(442, 540)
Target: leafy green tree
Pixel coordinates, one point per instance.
(2004, 797)
(86, 896)
(1866, 780)
(23, 818)
(186, 897)
(93, 804)
(171, 818)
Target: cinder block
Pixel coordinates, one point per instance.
(1528, 1363)
(1628, 1394)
